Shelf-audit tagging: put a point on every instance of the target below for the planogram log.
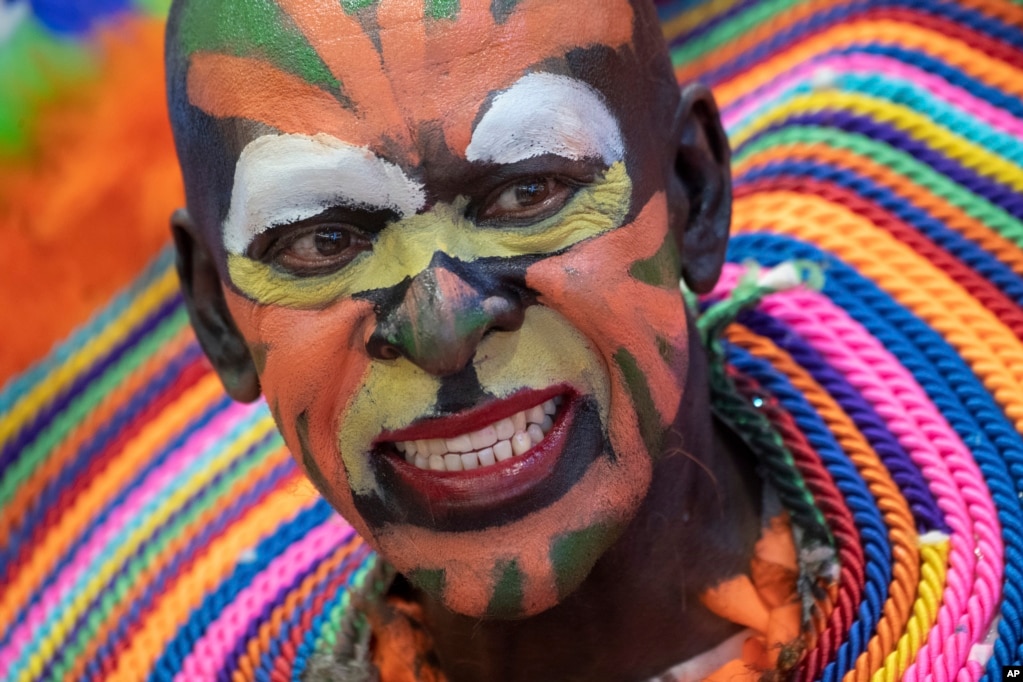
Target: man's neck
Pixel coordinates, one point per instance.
(638, 612)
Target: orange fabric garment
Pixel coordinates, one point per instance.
(768, 602)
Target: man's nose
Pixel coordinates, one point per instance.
(442, 319)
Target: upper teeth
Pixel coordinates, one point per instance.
(504, 439)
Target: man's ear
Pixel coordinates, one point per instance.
(207, 309)
(700, 188)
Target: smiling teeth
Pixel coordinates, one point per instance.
(494, 443)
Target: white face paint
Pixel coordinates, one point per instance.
(281, 179)
(544, 113)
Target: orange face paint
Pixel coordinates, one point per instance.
(481, 387)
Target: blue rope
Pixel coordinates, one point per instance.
(874, 535)
(267, 550)
(955, 390)
(958, 246)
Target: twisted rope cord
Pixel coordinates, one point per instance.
(987, 188)
(158, 275)
(49, 622)
(951, 386)
(199, 523)
(54, 418)
(998, 19)
(186, 595)
(901, 531)
(44, 520)
(165, 521)
(262, 648)
(21, 408)
(210, 652)
(848, 590)
(765, 62)
(29, 449)
(728, 405)
(904, 193)
(905, 165)
(992, 292)
(860, 72)
(831, 665)
(955, 478)
(237, 577)
(175, 379)
(904, 472)
(62, 534)
(777, 326)
(990, 155)
(762, 27)
(990, 348)
(107, 410)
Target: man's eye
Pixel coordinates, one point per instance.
(526, 200)
(323, 249)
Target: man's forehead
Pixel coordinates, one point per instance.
(374, 73)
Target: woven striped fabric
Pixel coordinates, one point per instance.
(152, 529)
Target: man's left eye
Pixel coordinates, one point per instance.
(527, 200)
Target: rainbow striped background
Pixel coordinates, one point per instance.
(152, 529)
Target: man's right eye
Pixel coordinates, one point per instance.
(321, 249)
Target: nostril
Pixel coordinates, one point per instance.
(380, 348)
(503, 313)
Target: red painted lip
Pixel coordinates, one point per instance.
(474, 419)
(486, 490)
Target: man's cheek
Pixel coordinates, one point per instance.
(311, 364)
(621, 291)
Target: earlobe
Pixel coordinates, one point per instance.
(700, 189)
(208, 311)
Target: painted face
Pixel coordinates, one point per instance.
(447, 247)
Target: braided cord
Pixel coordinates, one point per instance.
(952, 387)
(901, 531)
(974, 585)
(899, 162)
(994, 353)
(991, 155)
(870, 73)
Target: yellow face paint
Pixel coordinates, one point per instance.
(404, 249)
(547, 350)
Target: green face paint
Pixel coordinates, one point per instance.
(506, 601)
(254, 28)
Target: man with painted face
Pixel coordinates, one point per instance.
(444, 241)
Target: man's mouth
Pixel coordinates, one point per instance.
(496, 442)
(485, 466)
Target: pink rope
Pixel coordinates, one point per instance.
(210, 652)
(956, 97)
(973, 585)
(91, 556)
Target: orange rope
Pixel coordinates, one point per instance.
(174, 548)
(893, 506)
(86, 506)
(902, 185)
(956, 53)
(987, 345)
(27, 494)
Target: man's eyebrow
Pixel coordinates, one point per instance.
(283, 179)
(545, 113)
